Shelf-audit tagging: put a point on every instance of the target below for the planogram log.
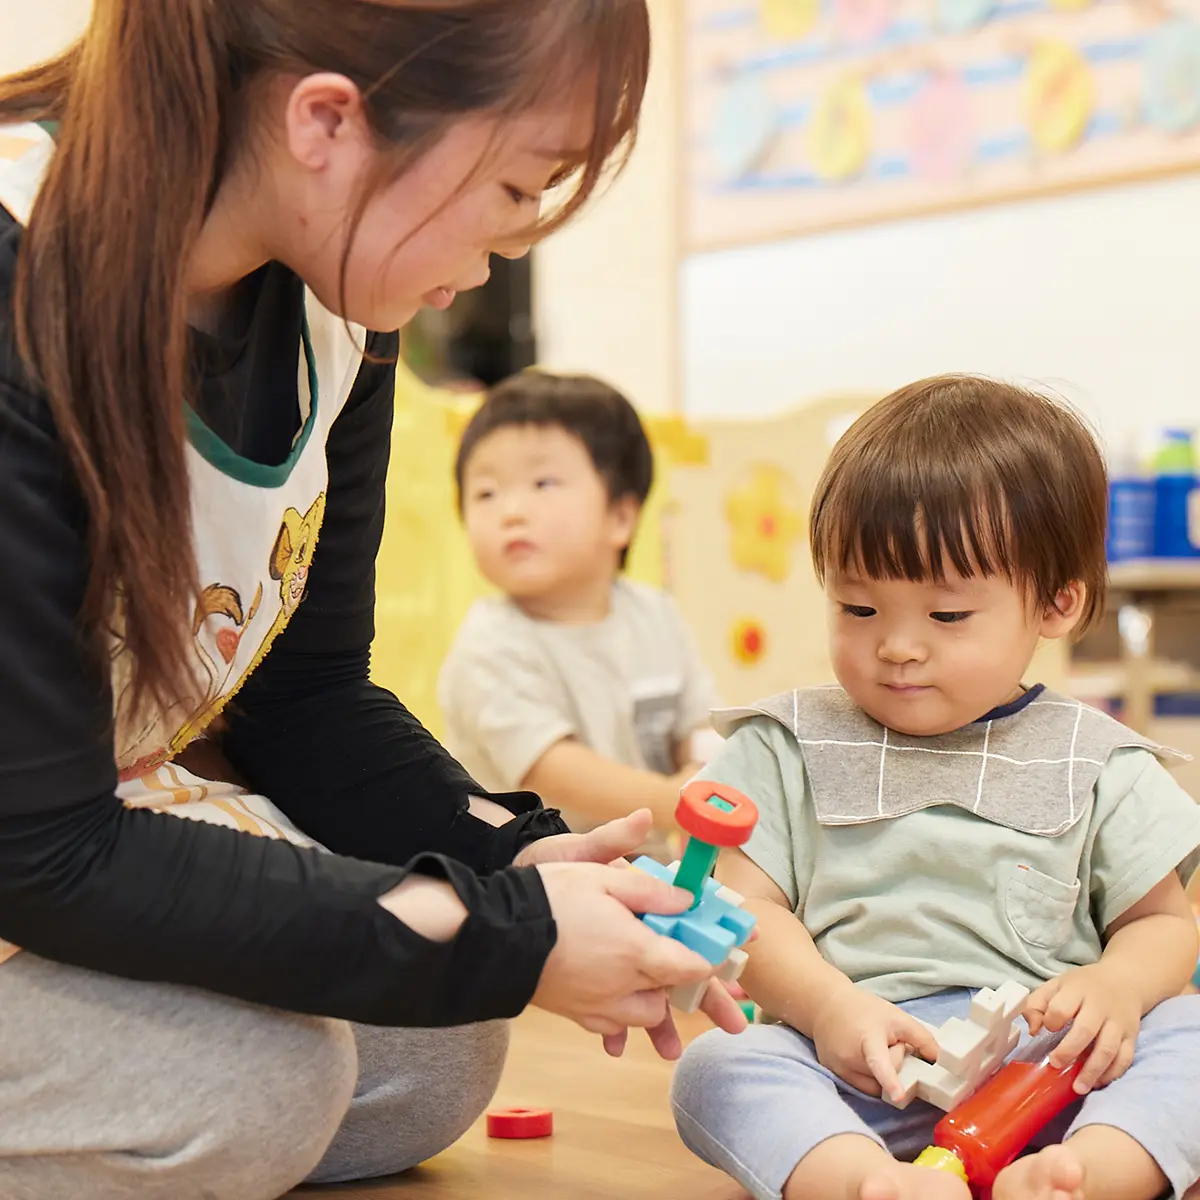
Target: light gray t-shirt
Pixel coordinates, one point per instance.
(1001, 851)
(630, 687)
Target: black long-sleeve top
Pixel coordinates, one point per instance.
(86, 881)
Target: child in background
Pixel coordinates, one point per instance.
(933, 826)
(577, 683)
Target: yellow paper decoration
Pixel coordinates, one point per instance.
(766, 519)
(1059, 94)
(674, 441)
(840, 138)
(789, 20)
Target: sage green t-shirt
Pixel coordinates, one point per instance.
(939, 897)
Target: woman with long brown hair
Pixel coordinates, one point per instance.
(212, 213)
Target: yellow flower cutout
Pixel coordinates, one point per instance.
(748, 641)
(765, 516)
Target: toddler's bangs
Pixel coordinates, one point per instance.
(959, 475)
(867, 524)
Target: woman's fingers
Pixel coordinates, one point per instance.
(614, 1043)
(665, 1039)
(610, 842)
(645, 1009)
(642, 893)
(722, 1009)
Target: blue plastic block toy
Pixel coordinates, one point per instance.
(712, 928)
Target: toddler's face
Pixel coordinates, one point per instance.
(925, 658)
(538, 516)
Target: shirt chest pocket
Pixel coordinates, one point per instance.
(656, 705)
(1040, 908)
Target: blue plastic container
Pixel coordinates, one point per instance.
(1130, 508)
(1176, 497)
(1131, 503)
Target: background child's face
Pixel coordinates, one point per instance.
(925, 658)
(538, 516)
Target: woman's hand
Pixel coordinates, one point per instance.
(608, 844)
(609, 970)
(605, 844)
(719, 1005)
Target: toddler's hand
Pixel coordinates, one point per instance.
(862, 1039)
(1104, 1012)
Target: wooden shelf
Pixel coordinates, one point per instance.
(1148, 586)
(1101, 680)
(1155, 575)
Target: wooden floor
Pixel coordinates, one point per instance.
(613, 1137)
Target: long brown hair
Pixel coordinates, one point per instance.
(154, 102)
(970, 473)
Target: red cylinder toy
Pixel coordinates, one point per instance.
(520, 1123)
(989, 1129)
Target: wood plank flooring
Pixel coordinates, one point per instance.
(613, 1139)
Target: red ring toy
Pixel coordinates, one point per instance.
(710, 823)
(520, 1123)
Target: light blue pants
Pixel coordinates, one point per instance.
(754, 1104)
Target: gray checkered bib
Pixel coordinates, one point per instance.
(1033, 770)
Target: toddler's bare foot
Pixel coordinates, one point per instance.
(1054, 1173)
(904, 1181)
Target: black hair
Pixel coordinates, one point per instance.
(971, 474)
(591, 410)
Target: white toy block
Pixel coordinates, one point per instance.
(969, 1051)
(687, 996)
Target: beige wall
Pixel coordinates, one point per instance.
(29, 32)
(605, 288)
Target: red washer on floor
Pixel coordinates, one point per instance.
(520, 1123)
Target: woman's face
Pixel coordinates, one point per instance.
(429, 234)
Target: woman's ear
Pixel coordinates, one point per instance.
(1060, 618)
(324, 110)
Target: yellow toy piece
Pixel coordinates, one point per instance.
(765, 516)
(938, 1159)
(839, 141)
(1058, 96)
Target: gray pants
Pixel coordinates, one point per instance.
(112, 1090)
(756, 1104)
